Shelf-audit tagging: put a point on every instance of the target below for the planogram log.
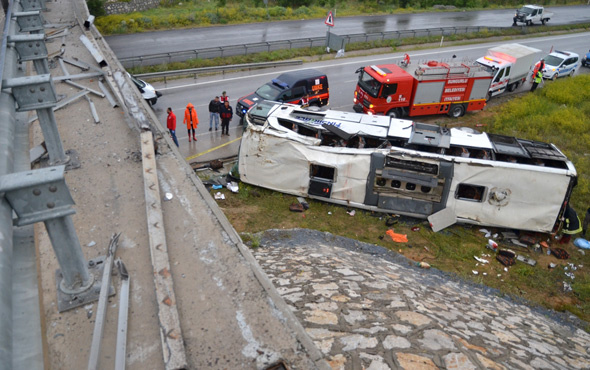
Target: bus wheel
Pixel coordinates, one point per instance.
(456, 111)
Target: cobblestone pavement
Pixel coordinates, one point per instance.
(368, 308)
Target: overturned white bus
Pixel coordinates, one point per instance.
(399, 166)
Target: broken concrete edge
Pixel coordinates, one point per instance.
(279, 304)
(170, 328)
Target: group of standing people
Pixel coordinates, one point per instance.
(218, 108)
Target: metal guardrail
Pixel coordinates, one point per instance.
(197, 71)
(244, 49)
(39, 195)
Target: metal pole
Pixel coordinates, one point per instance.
(55, 148)
(7, 132)
(66, 246)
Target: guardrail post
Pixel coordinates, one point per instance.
(37, 93)
(29, 21)
(29, 5)
(32, 48)
(43, 196)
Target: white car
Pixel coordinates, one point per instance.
(147, 91)
(560, 63)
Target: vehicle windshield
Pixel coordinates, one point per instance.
(137, 81)
(487, 68)
(525, 10)
(369, 84)
(552, 60)
(268, 92)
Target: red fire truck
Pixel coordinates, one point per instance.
(424, 89)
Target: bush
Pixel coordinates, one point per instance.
(96, 7)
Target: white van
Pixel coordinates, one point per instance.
(147, 91)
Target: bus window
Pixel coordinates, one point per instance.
(469, 192)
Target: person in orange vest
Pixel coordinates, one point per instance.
(538, 67)
(191, 120)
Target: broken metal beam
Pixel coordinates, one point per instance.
(107, 93)
(96, 54)
(101, 309)
(79, 76)
(82, 87)
(123, 317)
(63, 103)
(93, 110)
(83, 66)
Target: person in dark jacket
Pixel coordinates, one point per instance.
(571, 225)
(226, 114)
(214, 106)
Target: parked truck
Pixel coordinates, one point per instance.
(530, 14)
(510, 65)
(424, 89)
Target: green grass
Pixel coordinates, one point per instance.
(558, 113)
(200, 13)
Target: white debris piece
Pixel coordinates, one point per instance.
(481, 260)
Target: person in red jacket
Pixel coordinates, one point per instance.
(226, 114)
(171, 124)
(191, 120)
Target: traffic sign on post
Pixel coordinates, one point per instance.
(330, 19)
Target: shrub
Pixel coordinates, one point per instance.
(96, 7)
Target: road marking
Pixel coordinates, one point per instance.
(373, 61)
(212, 149)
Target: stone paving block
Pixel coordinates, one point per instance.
(489, 364)
(435, 340)
(410, 361)
(355, 341)
(413, 318)
(393, 341)
(458, 361)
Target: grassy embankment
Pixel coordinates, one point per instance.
(557, 113)
(201, 13)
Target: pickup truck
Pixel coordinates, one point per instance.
(530, 14)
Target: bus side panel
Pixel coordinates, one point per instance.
(275, 162)
(506, 198)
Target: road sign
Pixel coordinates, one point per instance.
(330, 19)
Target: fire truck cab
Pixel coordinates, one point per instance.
(425, 89)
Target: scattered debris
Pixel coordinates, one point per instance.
(415, 228)
(552, 265)
(399, 238)
(518, 243)
(216, 164)
(168, 196)
(481, 260)
(423, 265)
(560, 253)
(507, 235)
(330, 213)
(296, 207)
(303, 202)
(526, 260)
(352, 212)
(582, 243)
(91, 244)
(475, 272)
(217, 187)
(219, 195)
(566, 287)
(506, 257)
(390, 221)
(233, 186)
(492, 245)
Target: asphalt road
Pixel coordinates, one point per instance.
(147, 43)
(342, 78)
